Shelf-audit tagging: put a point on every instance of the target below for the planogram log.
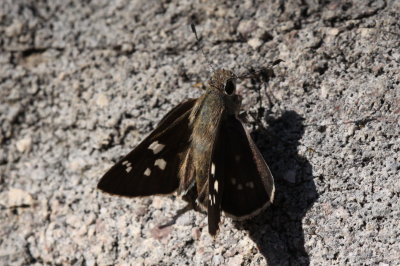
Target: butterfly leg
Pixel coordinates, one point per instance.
(190, 197)
(180, 212)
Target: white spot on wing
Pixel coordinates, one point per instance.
(233, 180)
(216, 185)
(161, 163)
(156, 147)
(250, 184)
(147, 172)
(240, 187)
(213, 169)
(128, 166)
(214, 199)
(210, 198)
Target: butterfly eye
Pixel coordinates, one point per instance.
(230, 87)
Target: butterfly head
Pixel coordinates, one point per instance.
(224, 81)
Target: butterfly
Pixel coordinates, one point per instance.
(202, 151)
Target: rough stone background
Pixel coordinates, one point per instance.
(82, 82)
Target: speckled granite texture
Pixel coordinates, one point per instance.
(82, 82)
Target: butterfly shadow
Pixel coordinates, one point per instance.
(278, 231)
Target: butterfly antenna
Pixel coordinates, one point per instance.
(201, 48)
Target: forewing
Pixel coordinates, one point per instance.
(152, 167)
(216, 185)
(248, 183)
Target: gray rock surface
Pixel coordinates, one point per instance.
(82, 82)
